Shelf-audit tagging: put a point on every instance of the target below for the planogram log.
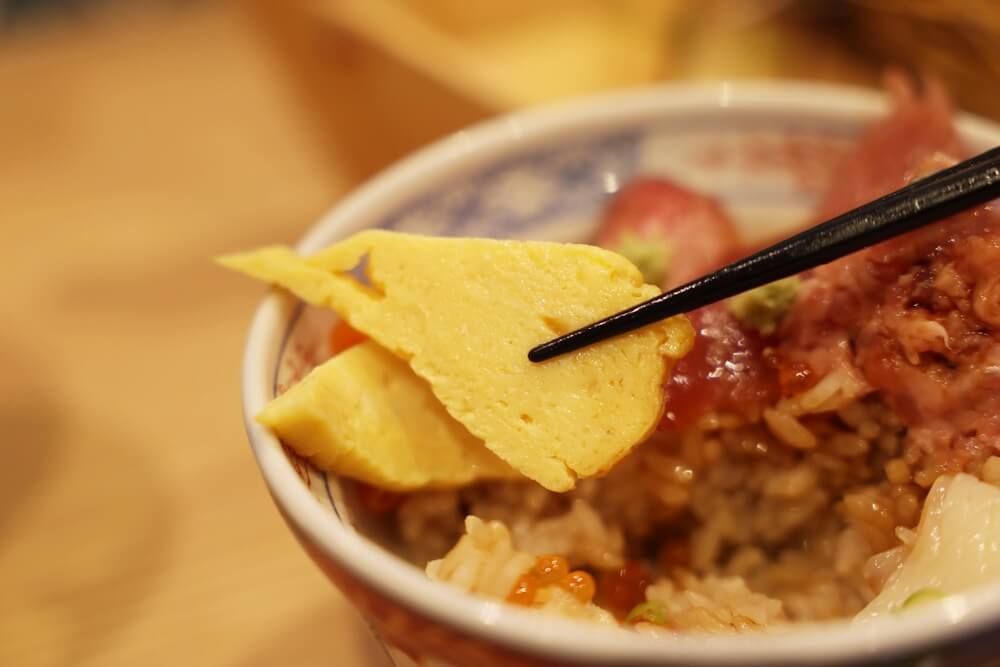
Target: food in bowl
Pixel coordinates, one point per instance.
(461, 312)
(788, 476)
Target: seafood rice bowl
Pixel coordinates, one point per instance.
(792, 466)
(824, 440)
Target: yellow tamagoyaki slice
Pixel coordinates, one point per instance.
(366, 415)
(464, 312)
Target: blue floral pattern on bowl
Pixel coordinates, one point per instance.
(524, 191)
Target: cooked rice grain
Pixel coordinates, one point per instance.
(714, 604)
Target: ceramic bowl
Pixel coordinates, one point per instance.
(764, 149)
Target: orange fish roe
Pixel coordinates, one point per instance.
(524, 591)
(549, 570)
(581, 585)
(552, 570)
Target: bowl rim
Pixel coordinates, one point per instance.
(523, 631)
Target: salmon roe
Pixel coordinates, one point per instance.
(524, 591)
(552, 570)
(549, 570)
(581, 585)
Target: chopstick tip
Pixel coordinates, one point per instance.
(540, 353)
(558, 346)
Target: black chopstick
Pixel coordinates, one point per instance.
(944, 193)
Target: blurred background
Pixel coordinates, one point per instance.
(139, 139)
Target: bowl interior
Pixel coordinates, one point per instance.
(764, 151)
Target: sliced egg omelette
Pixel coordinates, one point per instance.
(463, 314)
(365, 414)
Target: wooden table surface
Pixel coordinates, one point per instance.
(135, 529)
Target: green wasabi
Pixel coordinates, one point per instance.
(763, 308)
(650, 254)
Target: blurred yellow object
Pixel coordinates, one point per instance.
(391, 75)
(517, 53)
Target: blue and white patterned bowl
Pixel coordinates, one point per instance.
(764, 149)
